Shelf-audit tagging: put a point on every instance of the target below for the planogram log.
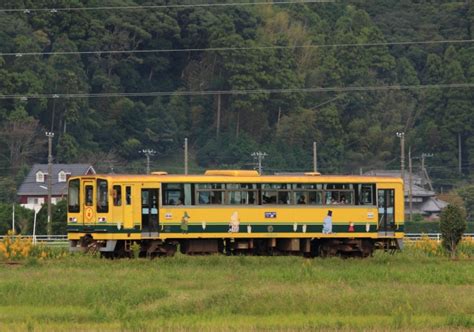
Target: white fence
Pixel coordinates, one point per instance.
(431, 236)
(61, 240)
(50, 240)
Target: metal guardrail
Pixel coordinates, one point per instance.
(61, 240)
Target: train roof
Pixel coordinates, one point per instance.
(245, 177)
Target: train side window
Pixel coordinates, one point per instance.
(276, 193)
(269, 197)
(339, 197)
(204, 197)
(241, 194)
(210, 193)
(236, 197)
(366, 196)
(177, 194)
(73, 196)
(145, 197)
(102, 197)
(128, 195)
(308, 197)
(216, 197)
(241, 197)
(117, 194)
(276, 197)
(173, 194)
(89, 195)
(284, 197)
(316, 197)
(331, 197)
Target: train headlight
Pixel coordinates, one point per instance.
(102, 219)
(73, 219)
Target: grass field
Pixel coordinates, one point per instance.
(403, 291)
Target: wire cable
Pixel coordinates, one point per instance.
(222, 49)
(148, 7)
(240, 92)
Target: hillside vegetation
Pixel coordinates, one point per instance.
(354, 129)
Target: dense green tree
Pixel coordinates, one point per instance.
(23, 218)
(353, 129)
(467, 195)
(452, 227)
(59, 217)
(19, 139)
(7, 190)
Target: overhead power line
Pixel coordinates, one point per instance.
(240, 92)
(148, 7)
(217, 49)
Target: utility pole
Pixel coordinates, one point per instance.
(315, 157)
(148, 153)
(401, 135)
(259, 156)
(410, 189)
(186, 154)
(13, 219)
(423, 168)
(50, 136)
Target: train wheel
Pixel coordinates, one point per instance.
(323, 251)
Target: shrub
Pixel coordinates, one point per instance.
(426, 246)
(452, 227)
(466, 247)
(15, 247)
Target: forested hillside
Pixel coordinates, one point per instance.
(225, 49)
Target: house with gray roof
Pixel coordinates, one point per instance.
(33, 192)
(424, 201)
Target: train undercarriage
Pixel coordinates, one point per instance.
(342, 247)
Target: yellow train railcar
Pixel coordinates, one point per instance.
(235, 212)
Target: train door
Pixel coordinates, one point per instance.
(118, 204)
(88, 202)
(128, 217)
(386, 204)
(150, 215)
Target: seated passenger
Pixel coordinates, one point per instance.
(342, 200)
(301, 200)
